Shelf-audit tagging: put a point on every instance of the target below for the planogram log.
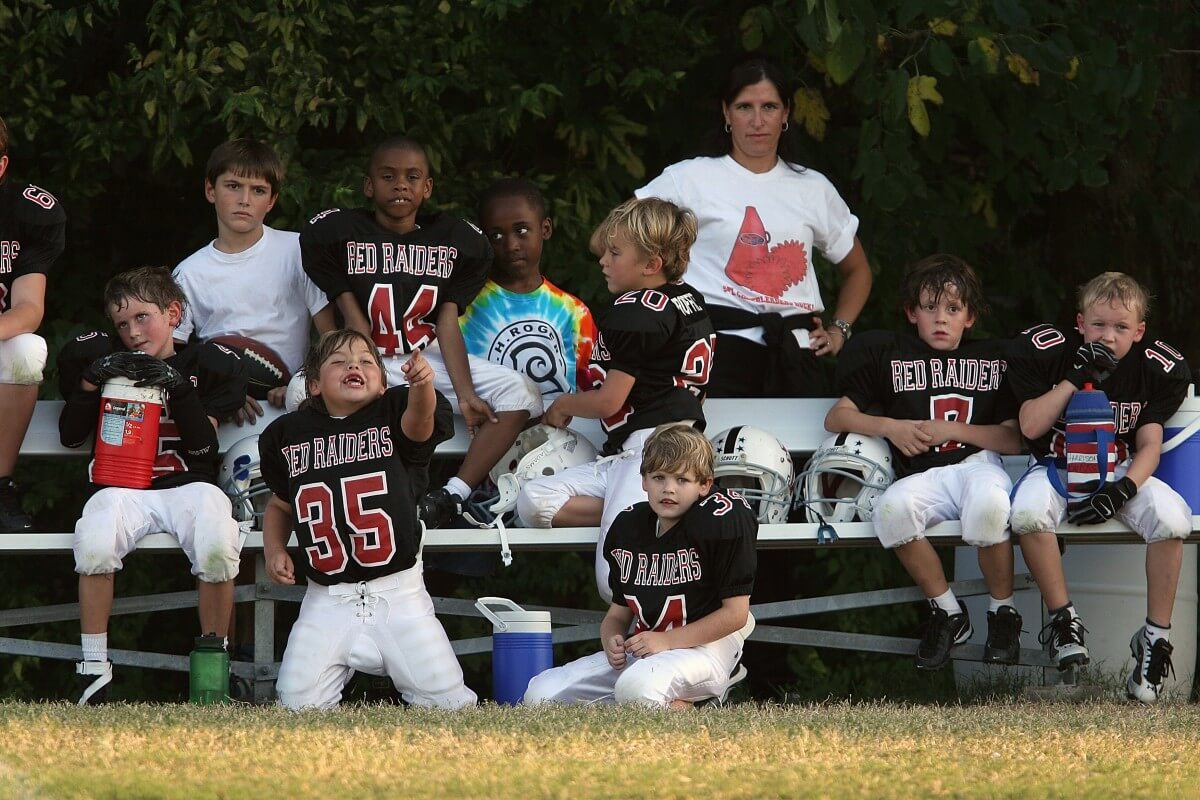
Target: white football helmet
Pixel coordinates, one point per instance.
(845, 478)
(756, 465)
(538, 451)
(241, 479)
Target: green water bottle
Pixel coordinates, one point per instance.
(209, 671)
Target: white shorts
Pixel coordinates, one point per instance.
(199, 515)
(501, 388)
(22, 359)
(692, 673)
(618, 479)
(975, 491)
(381, 627)
(1156, 512)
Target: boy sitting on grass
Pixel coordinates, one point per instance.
(681, 568)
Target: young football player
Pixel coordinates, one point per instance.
(948, 414)
(681, 568)
(520, 319)
(404, 281)
(249, 280)
(32, 225)
(204, 384)
(341, 469)
(649, 366)
(1145, 382)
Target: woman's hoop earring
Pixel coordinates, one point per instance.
(785, 124)
(728, 127)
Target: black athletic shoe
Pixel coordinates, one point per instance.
(94, 678)
(13, 518)
(1004, 637)
(438, 508)
(1064, 634)
(942, 632)
(1151, 664)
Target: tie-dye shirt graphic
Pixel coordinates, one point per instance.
(546, 334)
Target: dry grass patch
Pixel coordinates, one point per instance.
(832, 750)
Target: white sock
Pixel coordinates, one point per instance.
(95, 646)
(947, 602)
(995, 605)
(458, 488)
(1156, 632)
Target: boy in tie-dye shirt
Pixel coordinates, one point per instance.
(520, 319)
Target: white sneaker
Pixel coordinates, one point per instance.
(95, 677)
(1151, 663)
(1064, 634)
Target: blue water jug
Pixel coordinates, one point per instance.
(521, 647)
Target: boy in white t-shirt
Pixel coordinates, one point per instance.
(249, 280)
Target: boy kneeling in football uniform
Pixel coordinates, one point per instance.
(345, 469)
(681, 568)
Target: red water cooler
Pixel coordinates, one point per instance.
(127, 434)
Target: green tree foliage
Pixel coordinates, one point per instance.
(1043, 140)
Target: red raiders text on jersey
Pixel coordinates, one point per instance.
(32, 236)
(899, 376)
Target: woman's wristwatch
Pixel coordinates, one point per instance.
(844, 327)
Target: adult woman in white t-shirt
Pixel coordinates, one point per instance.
(761, 215)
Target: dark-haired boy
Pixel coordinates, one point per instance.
(519, 318)
(203, 385)
(249, 280)
(32, 227)
(404, 281)
(948, 415)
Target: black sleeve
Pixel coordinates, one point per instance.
(1037, 362)
(271, 462)
(417, 455)
(78, 418)
(322, 253)
(472, 267)
(42, 230)
(222, 379)
(859, 367)
(1167, 376)
(617, 533)
(633, 332)
(197, 435)
(732, 544)
(77, 421)
(77, 354)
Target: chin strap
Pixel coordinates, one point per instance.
(508, 487)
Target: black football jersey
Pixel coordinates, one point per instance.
(32, 225)
(218, 373)
(1147, 386)
(664, 339)
(897, 375)
(683, 575)
(349, 482)
(399, 281)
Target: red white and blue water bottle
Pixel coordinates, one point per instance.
(127, 434)
(1091, 442)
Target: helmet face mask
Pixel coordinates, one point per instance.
(755, 465)
(241, 478)
(845, 478)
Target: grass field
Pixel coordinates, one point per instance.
(1009, 749)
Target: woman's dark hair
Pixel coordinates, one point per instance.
(751, 70)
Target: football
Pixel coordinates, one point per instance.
(265, 368)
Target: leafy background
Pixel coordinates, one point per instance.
(1043, 141)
